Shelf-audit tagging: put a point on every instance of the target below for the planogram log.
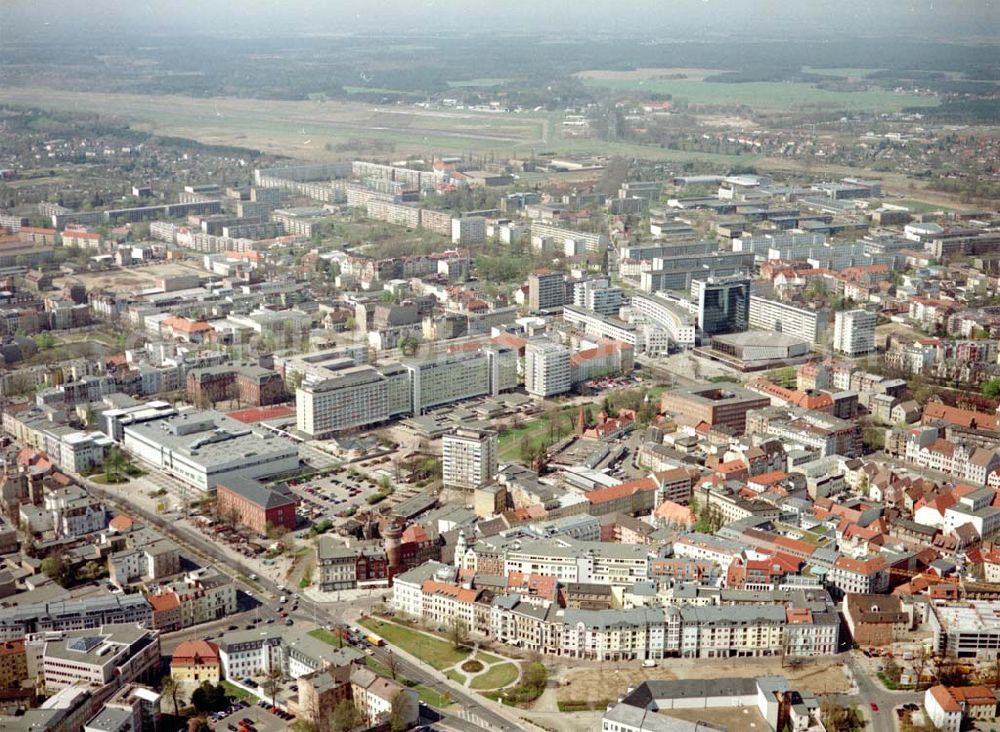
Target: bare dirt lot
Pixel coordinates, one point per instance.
(133, 278)
(596, 684)
(824, 676)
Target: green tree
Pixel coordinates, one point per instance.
(209, 698)
(169, 689)
(458, 633)
(345, 716)
(991, 388)
(272, 682)
(403, 710)
(114, 465)
(56, 569)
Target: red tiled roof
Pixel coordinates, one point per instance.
(614, 492)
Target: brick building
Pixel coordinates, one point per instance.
(259, 387)
(211, 384)
(875, 620)
(255, 506)
(725, 406)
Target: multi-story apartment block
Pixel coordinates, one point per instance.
(795, 320)
(859, 576)
(547, 369)
(854, 332)
(677, 322)
(546, 290)
(469, 457)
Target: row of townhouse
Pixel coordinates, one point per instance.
(540, 626)
(926, 448)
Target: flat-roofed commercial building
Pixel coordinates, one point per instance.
(724, 406)
(120, 653)
(204, 448)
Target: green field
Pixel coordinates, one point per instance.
(920, 206)
(502, 675)
(782, 96)
(484, 81)
(438, 653)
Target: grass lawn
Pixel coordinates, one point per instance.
(770, 95)
(326, 636)
(378, 667)
(456, 677)
(234, 692)
(920, 206)
(502, 675)
(483, 81)
(439, 654)
(487, 658)
(432, 698)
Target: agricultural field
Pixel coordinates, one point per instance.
(303, 129)
(780, 96)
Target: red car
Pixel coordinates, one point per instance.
(874, 707)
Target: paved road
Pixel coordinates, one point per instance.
(871, 690)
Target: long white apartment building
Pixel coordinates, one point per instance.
(783, 317)
(569, 560)
(353, 396)
(581, 241)
(547, 369)
(643, 335)
(675, 271)
(679, 324)
(448, 378)
(787, 243)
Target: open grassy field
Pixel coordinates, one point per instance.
(299, 129)
(481, 82)
(437, 653)
(789, 96)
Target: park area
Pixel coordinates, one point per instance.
(438, 653)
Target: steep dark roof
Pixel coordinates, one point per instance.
(259, 494)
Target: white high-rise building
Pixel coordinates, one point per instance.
(469, 457)
(854, 332)
(546, 369)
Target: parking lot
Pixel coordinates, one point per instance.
(260, 717)
(333, 495)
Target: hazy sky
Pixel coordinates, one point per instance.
(669, 18)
